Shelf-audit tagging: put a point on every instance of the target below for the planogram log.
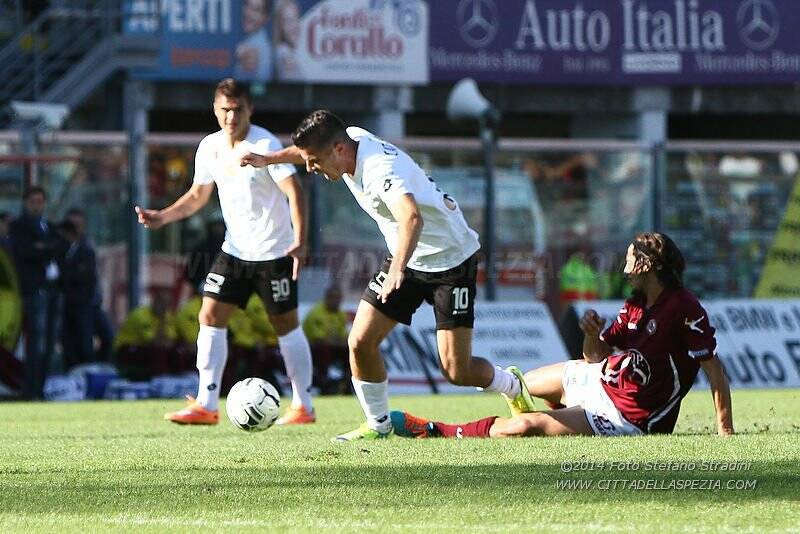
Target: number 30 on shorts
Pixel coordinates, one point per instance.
(460, 299)
(280, 289)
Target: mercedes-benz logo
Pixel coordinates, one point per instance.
(478, 22)
(759, 23)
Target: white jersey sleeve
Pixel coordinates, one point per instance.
(279, 171)
(389, 184)
(203, 162)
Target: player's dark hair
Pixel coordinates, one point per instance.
(34, 190)
(319, 130)
(663, 256)
(233, 89)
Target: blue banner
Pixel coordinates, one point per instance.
(616, 42)
(199, 39)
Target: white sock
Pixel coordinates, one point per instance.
(297, 358)
(504, 382)
(374, 399)
(212, 353)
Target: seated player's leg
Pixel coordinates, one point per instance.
(370, 327)
(563, 422)
(547, 384)
(212, 355)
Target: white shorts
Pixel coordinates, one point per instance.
(582, 387)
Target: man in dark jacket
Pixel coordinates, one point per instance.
(78, 285)
(81, 287)
(36, 245)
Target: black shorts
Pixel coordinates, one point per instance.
(233, 280)
(451, 293)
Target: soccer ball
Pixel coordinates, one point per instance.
(253, 404)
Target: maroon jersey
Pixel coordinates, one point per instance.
(662, 348)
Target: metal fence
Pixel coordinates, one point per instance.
(556, 199)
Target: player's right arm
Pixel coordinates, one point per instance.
(595, 349)
(187, 205)
(289, 154)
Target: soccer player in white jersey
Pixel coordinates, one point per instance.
(263, 251)
(432, 258)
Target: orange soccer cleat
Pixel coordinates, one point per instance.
(297, 416)
(193, 414)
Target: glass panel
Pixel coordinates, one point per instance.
(722, 208)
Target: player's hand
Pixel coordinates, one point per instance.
(151, 219)
(299, 252)
(394, 279)
(591, 323)
(255, 160)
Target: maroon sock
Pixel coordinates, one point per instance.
(473, 429)
(554, 405)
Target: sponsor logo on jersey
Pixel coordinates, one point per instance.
(651, 326)
(693, 324)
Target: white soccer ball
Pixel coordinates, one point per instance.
(253, 404)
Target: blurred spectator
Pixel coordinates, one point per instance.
(102, 328)
(36, 245)
(578, 280)
(11, 369)
(81, 293)
(146, 342)
(176, 173)
(254, 52)
(200, 258)
(326, 329)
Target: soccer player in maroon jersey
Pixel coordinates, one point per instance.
(634, 373)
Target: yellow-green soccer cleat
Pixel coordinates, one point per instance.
(362, 432)
(523, 402)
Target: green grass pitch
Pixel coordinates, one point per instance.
(116, 466)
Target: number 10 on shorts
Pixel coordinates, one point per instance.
(460, 300)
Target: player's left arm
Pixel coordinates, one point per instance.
(409, 219)
(701, 345)
(721, 393)
(297, 208)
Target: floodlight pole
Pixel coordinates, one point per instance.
(138, 100)
(489, 142)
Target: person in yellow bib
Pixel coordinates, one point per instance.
(146, 341)
(326, 329)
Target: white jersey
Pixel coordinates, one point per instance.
(256, 212)
(383, 174)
